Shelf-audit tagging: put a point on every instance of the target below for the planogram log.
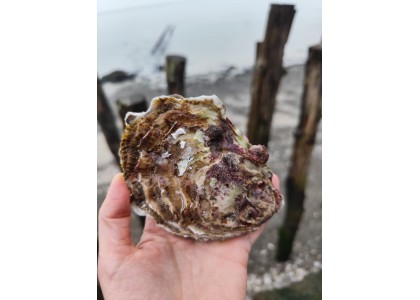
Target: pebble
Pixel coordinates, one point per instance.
(267, 279)
(270, 246)
(300, 274)
(299, 261)
(264, 252)
(317, 264)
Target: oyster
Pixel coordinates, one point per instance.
(192, 170)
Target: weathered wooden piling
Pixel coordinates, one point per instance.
(107, 122)
(135, 104)
(268, 71)
(175, 74)
(310, 115)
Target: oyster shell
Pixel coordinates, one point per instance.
(192, 170)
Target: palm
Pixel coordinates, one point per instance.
(164, 266)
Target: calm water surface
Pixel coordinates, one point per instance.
(212, 34)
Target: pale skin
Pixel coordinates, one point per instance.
(162, 265)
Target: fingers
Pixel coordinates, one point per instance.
(276, 181)
(114, 218)
(150, 224)
(253, 236)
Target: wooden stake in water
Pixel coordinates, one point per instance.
(133, 104)
(107, 122)
(175, 74)
(268, 71)
(310, 115)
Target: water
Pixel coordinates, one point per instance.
(212, 34)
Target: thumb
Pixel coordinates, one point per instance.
(114, 218)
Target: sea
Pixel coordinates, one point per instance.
(214, 35)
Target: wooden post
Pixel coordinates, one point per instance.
(268, 71)
(134, 104)
(310, 116)
(258, 52)
(175, 74)
(107, 122)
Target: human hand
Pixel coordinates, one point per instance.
(162, 265)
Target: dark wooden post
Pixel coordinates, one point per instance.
(175, 74)
(107, 122)
(310, 115)
(134, 104)
(268, 71)
(258, 52)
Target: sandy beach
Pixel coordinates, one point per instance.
(233, 88)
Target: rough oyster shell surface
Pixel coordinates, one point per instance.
(192, 170)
